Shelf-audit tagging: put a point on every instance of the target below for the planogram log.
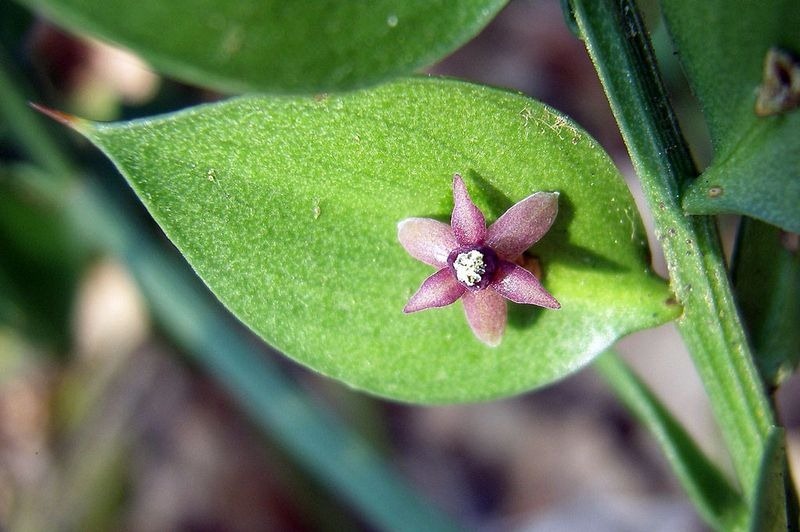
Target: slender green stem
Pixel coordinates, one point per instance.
(715, 498)
(338, 457)
(618, 44)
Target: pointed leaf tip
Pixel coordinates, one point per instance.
(67, 119)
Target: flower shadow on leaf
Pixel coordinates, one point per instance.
(523, 316)
(555, 246)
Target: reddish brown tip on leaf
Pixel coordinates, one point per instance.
(63, 118)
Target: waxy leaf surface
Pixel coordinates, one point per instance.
(288, 208)
(722, 45)
(279, 45)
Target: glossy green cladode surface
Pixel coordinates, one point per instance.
(287, 207)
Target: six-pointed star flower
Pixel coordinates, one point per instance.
(476, 264)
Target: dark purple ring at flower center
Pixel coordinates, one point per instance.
(473, 267)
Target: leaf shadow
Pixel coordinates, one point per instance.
(556, 245)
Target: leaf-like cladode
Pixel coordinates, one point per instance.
(278, 45)
(723, 45)
(288, 208)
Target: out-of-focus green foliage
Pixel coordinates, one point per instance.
(723, 45)
(39, 261)
(279, 45)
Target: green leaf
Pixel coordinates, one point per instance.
(714, 497)
(279, 45)
(288, 208)
(766, 277)
(756, 166)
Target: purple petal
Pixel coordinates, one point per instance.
(426, 240)
(467, 221)
(438, 290)
(521, 286)
(486, 315)
(523, 224)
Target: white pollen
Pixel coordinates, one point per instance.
(470, 267)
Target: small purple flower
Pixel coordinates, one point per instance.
(477, 264)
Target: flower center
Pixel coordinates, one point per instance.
(470, 267)
(473, 267)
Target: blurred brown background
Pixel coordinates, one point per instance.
(125, 433)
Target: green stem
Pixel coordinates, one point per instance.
(618, 44)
